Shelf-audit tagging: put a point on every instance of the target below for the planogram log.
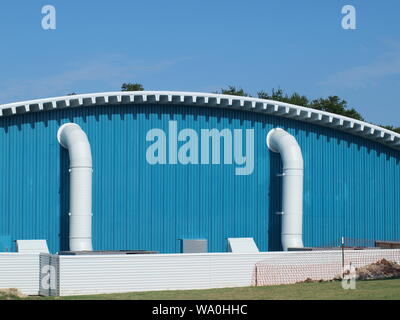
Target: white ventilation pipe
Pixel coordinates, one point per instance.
(278, 140)
(73, 138)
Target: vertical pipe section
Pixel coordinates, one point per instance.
(73, 138)
(280, 141)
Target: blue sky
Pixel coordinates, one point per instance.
(204, 46)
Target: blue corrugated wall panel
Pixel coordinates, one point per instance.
(351, 185)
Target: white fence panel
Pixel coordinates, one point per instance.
(124, 273)
(20, 271)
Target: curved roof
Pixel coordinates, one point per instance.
(271, 107)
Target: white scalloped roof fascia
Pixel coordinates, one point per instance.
(271, 107)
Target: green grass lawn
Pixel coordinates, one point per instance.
(371, 289)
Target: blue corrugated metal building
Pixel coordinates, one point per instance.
(351, 173)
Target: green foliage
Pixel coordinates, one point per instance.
(332, 104)
(232, 90)
(278, 95)
(336, 105)
(131, 87)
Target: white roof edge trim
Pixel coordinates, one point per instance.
(271, 107)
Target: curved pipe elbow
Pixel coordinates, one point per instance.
(280, 141)
(73, 138)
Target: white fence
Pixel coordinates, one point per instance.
(21, 271)
(91, 274)
(61, 275)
